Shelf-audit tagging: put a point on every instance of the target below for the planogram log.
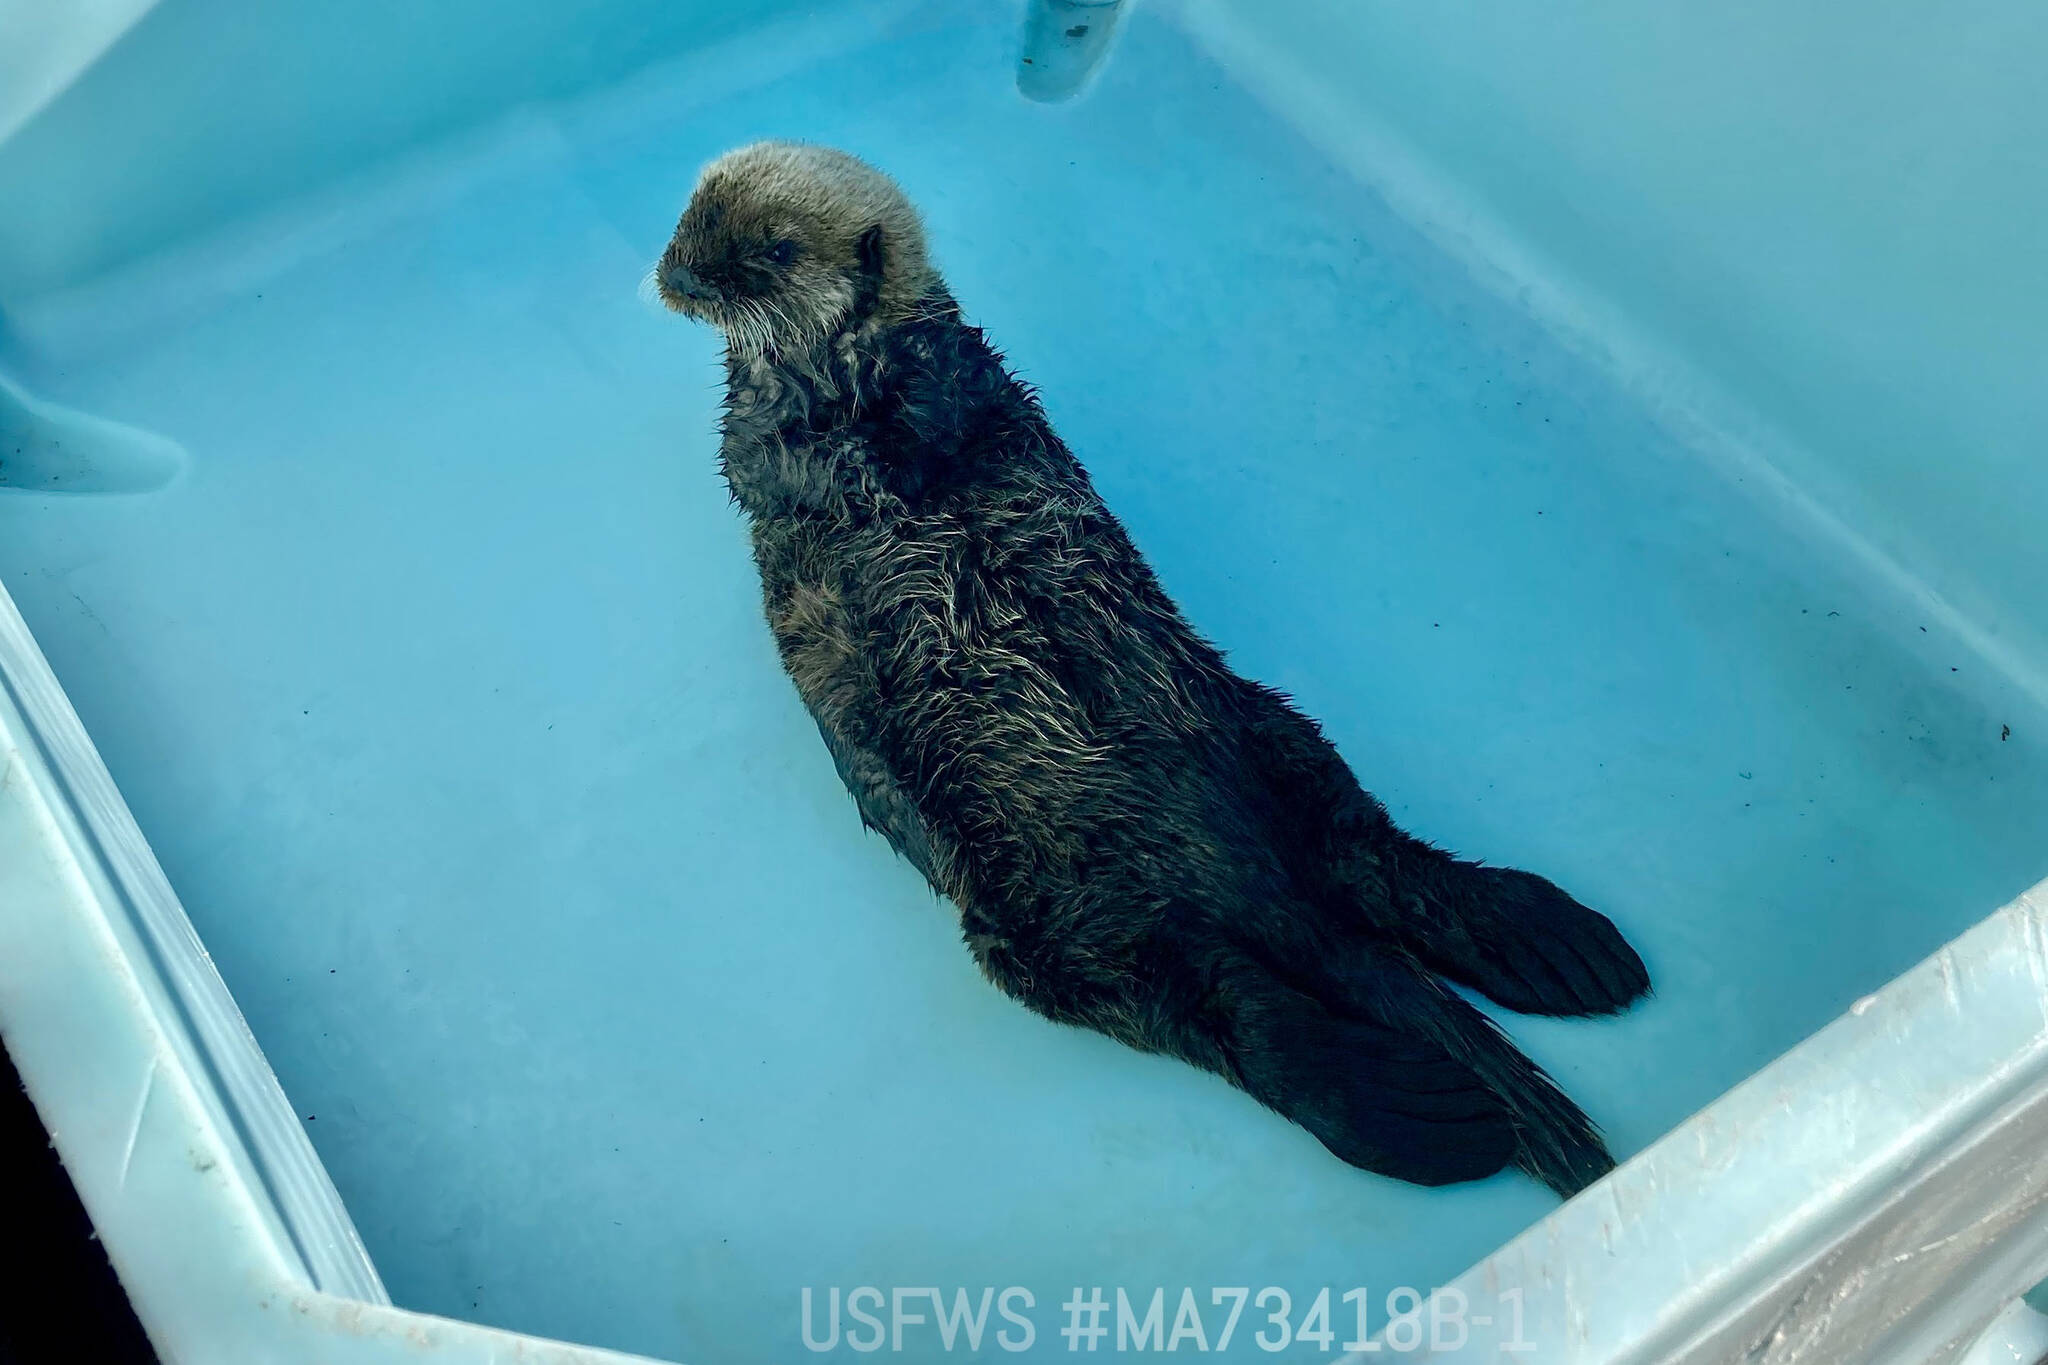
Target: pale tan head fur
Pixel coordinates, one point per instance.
(785, 245)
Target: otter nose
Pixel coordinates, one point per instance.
(680, 279)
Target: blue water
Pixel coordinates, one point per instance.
(438, 681)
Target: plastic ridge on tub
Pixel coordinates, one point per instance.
(199, 1019)
(217, 1214)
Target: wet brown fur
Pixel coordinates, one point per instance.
(1138, 840)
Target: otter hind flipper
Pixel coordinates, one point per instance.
(1379, 1098)
(1526, 944)
(1396, 1073)
(1554, 1140)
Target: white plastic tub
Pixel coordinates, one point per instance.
(1649, 408)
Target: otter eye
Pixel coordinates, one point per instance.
(783, 252)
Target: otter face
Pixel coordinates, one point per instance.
(785, 245)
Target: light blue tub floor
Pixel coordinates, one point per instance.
(438, 681)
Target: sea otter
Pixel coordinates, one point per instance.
(1137, 839)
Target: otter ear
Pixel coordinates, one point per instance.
(871, 252)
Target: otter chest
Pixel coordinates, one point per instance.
(859, 576)
(808, 600)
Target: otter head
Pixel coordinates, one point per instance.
(786, 245)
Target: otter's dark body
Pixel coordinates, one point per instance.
(1138, 840)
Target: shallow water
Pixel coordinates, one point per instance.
(437, 680)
